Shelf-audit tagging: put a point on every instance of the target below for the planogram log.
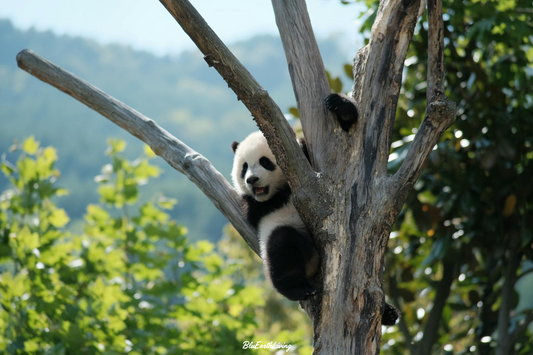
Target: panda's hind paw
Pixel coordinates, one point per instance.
(301, 293)
(344, 107)
(390, 315)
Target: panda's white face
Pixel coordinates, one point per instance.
(255, 171)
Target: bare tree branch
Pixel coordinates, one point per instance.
(267, 114)
(182, 158)
(440, 112)
(385, 56)
(435, 78)
(308, 76)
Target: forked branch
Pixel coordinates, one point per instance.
(377, 89)
(182, 158)
(440, 112)
(267, 114)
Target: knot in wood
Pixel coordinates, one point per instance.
(210, 60)
(442, 111)
(191, 159)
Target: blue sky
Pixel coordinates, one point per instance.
(146, 25)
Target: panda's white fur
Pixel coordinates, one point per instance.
(285, 216)
(250, 176)
(250, 150)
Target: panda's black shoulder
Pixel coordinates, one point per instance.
(255, 210)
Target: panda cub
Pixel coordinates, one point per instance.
(289, 255)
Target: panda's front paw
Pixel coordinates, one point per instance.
(301, 293)
(344, 107)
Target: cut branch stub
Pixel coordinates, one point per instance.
(182, 158)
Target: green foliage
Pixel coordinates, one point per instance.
(473, 204)
(130, 283)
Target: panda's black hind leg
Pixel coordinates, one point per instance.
(390, 315)
(289, 253)
(295, 291)
(345, 109)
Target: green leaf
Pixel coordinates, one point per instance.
(28, 239)
(27, 169)
(166, 203)
(438, 250)
(58, 218)
(348, 70)
(148, 151)
(115, 146)
(50, 154)
(30, 146)
(336, 85)
(294, 111)
(8, 168)
(108, 193)
(31, 346)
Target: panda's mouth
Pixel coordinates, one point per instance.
(260, 191)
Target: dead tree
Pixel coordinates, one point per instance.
(344, 193)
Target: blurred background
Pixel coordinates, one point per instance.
(106, 249)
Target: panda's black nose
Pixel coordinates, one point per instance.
(252, 180)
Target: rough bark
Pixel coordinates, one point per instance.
(345, 197)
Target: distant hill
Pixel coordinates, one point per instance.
(182, 94)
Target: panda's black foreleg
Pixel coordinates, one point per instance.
(289, 253)
(344, 107)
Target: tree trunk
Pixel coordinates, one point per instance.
(344, 194)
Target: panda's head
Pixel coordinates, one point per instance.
(255, 171)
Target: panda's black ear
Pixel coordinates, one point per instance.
(234, 146)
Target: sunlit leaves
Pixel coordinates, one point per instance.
(120, 180)
(148, 152)
(130, 283)
(30, 146)
(115, 146)
(58, 218)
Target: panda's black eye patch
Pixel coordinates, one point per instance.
(244, 169)
(267, 164)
